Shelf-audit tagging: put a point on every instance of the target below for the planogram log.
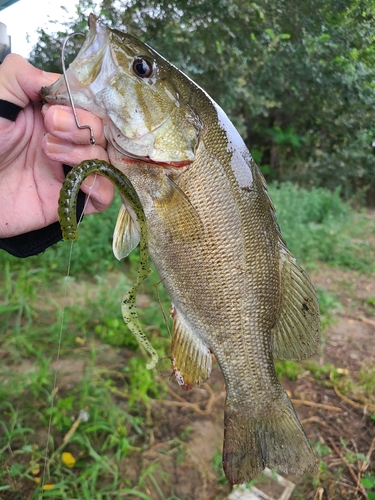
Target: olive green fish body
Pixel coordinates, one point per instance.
(236, 290)
(225, 287)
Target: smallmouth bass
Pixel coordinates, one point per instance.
(236, 290)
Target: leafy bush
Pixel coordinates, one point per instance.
(317, 226)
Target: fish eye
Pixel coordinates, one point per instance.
(142, 67)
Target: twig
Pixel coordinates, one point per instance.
(361, 318)
(316, 420)
(185, 404)
(353, 403)
(335, 463)
(181, 402)
(366, 463)
(72, 430)
(350, 469)
(359, 461)
(371, 449)
(319, 494)
(344, 484)
(317, 405)
(213, 397)
(175, 395)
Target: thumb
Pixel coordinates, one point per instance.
(21, 82)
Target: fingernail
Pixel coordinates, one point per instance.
(55, 145)
(62, 120)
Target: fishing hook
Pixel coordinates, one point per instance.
(92, 138)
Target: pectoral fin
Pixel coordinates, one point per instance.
(127, 232)
(296, 334)
(191, 359)
(179, 214)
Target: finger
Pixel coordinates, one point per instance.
(100, 192)
(59, 121)
(21, 82)
(71, 154)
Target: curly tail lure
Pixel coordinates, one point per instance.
(67, 215)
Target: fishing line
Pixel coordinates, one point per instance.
(54, 391)
(61, 331)
(67, 276)
(166, 322)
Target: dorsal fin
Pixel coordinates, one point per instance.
(296, 334)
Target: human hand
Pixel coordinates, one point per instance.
(34, 148)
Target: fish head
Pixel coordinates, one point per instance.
(137, 94)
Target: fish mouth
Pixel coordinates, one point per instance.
(130, 158)
(84, 73)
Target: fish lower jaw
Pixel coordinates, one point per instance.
(53, 99)
(146, 159)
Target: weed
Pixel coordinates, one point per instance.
(329, 305)
(101, 409)
(318, 226)
(368, 481)
(288, 369)
(321, 449)
(217, 464)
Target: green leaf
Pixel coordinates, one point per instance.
(16, 469)
(368, 482)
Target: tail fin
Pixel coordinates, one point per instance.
(273, 439)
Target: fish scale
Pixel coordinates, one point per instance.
(236, 290)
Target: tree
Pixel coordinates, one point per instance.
(296, 78)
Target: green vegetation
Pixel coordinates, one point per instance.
(318, 226)
(101, 412)
(80, 416)
(297, 79)
(369, 483)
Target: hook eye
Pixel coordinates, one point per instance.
(92, 138)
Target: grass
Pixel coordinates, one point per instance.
(102, 409)
(319, 227)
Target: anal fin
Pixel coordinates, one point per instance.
(296, 334)
(191, 358)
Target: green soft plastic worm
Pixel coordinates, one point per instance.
(67, 215)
